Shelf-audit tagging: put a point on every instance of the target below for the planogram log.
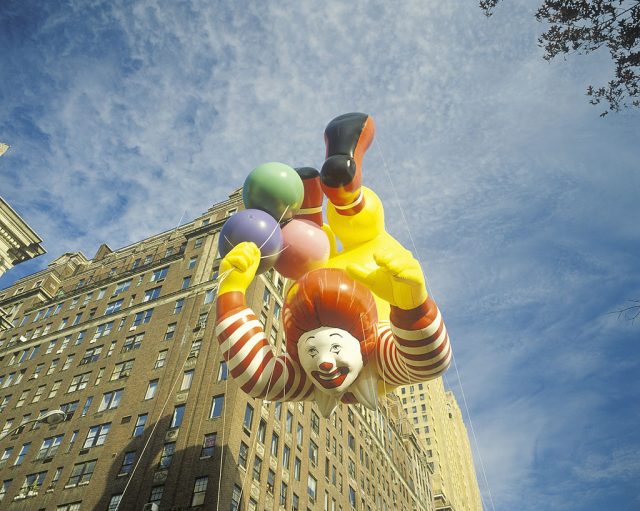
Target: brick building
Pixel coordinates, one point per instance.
(123, 344)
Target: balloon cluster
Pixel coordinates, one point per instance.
(272, 195)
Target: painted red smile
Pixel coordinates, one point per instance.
(332, 379)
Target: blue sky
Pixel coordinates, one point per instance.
(523, 203)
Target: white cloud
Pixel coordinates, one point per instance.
(521, 201)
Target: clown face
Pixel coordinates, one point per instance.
(331, 357)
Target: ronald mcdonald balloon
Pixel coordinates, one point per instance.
(355, 328)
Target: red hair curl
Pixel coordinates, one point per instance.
(328, 297)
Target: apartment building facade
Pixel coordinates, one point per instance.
(436, 417)
(123, 344)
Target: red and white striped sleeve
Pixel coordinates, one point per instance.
(250, 357)
(414, 347)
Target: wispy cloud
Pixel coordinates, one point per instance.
(522, 202)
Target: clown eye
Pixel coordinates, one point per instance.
(312, 352)
(335, 348)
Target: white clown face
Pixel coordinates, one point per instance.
(331, 357)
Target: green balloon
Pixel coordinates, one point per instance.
(275, 188)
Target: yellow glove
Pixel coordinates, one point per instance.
(397, 280)
(238, 267)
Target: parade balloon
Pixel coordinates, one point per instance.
(275, 188)
(305, 247)
(256, 226)
(357, 327)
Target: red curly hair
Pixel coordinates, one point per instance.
(328, 297)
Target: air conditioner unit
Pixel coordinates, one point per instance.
(22, 338)
(151, 506)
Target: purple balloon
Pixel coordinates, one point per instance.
(253, 225)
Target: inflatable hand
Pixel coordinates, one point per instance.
(398, 278)
(238, 267)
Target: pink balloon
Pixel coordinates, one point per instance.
(305, 247)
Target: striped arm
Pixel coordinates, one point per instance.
(415, 346)
(250, 357)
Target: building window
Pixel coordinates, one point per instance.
(177, 309)
(192, 262)
(97, 435)
(257, 468)
(23, 397)
(56, 477)
(187, 379)
(312, 486)
(113, 307)
(87, 404)
(313, 453)
(156, 494)
(216, 406)
(110, 400)
(139, 427)
(122, 370)
(295, 503)
(132, 342)
(271, 481)
(248, 417)
(73, 506)
(283, 494)
(161, 360)
(235, 497)
(81, 336)
(136, 263)
(223, 371)
(209, 445)
(199, 491)
(121, 287)
(151, 390)
(275, 440)
(127, 462)
(68, 362)
(160, 274)
(79, 382)
(167, 455)
(299, 435)
(114, 503)
(91, 355)
(262, 430)
(186, 281)
(195, 349)
(103, 330)
(289, 422)
(171, 329)
(209, 296)
(297, 464)
(286, 455)
(242, 454)
(151, 294)
(352, 497)
(69, 409)
(351, 441)
(178, 415)
(49, 447)
(32, 484)
(142, 317)
(315, 422)
(81, 473)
